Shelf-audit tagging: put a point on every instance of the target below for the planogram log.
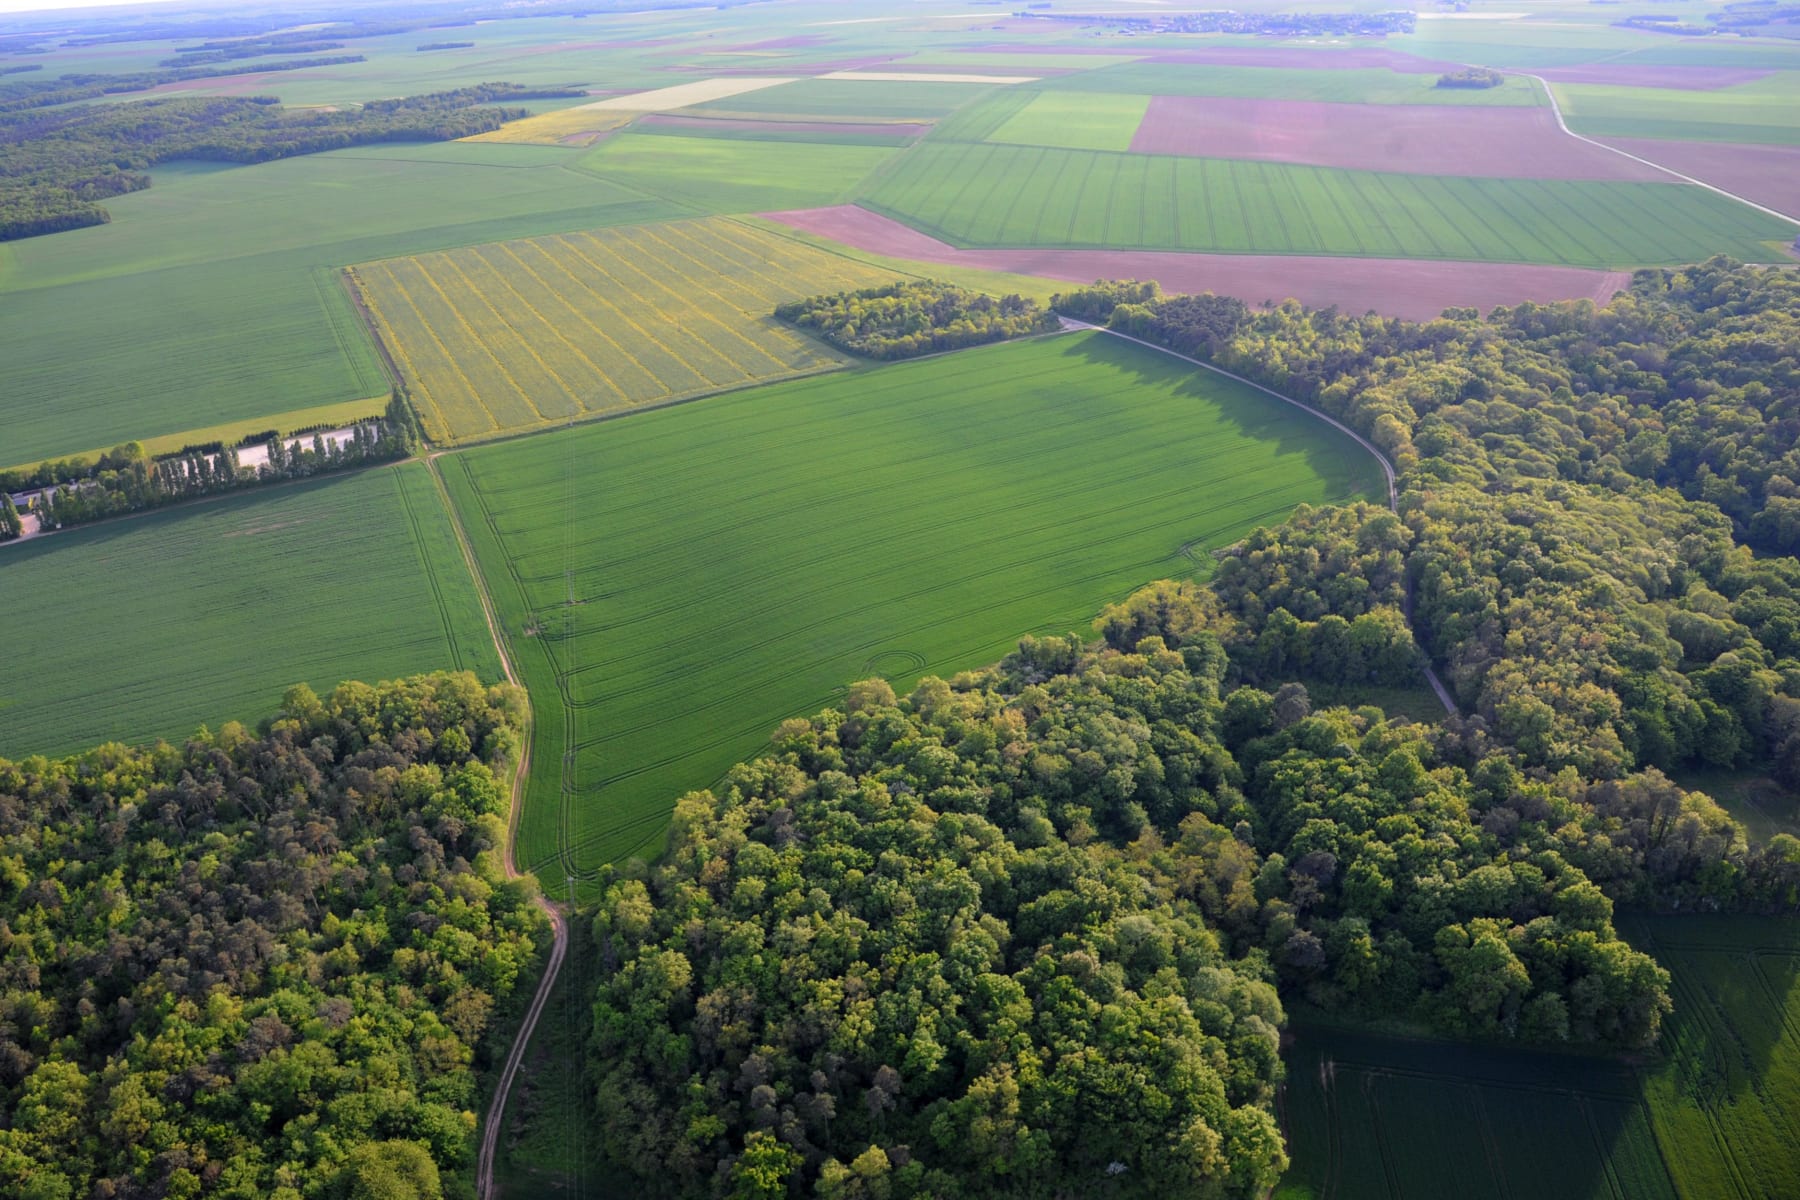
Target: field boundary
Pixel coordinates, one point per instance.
(1556, 111)
(559, 931)
(1387, 468)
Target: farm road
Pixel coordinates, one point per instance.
(1387, 468)
(559, 929)
(1556, 110)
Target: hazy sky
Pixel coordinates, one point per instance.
(18, 6)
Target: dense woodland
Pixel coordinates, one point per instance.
(1013, 934)
(56, 165)
(1599, 510)
(907, 319)
(263, 965)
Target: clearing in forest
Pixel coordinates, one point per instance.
(522, 335)
(675, 584)
(203, 612)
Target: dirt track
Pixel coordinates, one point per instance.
(1501, 143)
(1417, 290)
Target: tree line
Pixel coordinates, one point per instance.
(56, 165)
(264, 964)
(910, 318)
(125, 480)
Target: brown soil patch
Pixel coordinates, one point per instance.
(1768, 175)
(897, 130)
(1406, 288)
(1687, 79)
(1349, 59)
(798, 41)
(1506, 143)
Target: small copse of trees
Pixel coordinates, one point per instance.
(904, 320)
(1471, 77)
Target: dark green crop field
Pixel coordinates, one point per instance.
(998, 195)
(1709, 1115)
(146, 628)
(677, 583)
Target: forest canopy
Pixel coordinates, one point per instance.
(906, 319)
(57, 164)
(262, 965)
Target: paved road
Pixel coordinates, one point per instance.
(1556, 110)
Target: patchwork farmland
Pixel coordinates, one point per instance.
(974, 194)
(207, 613)
(524, 335)
(1500, 143)
(672, 587)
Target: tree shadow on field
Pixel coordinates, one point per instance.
(259, 510)
(1730, 1060)
(1328, 453)
(1369, 1116)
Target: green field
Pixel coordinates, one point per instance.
(213, 297)
(1079, 122)
(1359, 86)
(677, 583)
(1709, 1116)
(988, 195)
(1765, 110)
(1372, 1117)
(844, 99)
(1726, 1102)
(732, 175)
(149, 627)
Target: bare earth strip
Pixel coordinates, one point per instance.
(1769, 175)
(1394, 287)
(683, 95)
(1501, 143)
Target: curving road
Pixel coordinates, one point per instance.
(559, 929)
(1387, 468)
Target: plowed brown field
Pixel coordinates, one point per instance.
(1394, 287)
(1766, 174)
(1503, 143)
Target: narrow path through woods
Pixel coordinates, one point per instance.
(1387, 468)
(559, 929)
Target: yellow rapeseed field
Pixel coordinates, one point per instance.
(514, 336)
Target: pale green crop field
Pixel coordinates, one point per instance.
(676, 583)
(1076, 121)
(149, 627)
(1763, 110)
